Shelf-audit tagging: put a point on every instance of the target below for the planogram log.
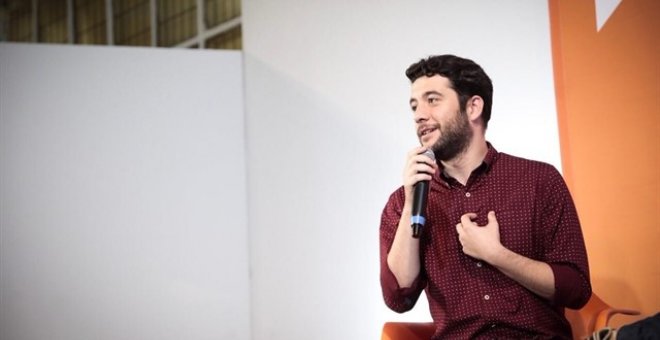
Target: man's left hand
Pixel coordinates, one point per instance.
(480, 242)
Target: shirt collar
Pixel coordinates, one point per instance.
(491, 156)
(486, 164)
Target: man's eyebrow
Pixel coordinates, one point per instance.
(426, 94)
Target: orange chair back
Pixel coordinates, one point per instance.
(407, 331)
(593, 316)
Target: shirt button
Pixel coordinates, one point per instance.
(467, 194)
(479, 264)
(493, 326)
(486, 297)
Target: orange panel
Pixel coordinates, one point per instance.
(607, 85)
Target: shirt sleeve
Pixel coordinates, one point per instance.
(396, 298)
(565, 250)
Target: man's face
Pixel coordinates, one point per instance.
(440, 123)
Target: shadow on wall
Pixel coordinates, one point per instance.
(319, 176)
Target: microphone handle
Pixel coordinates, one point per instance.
(418, 218)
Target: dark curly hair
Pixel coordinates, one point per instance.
(466, 77)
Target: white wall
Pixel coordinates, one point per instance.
(122, 194)
(328, 126)
(123, 205)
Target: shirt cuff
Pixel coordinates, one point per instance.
(572, 290)
(396, 298)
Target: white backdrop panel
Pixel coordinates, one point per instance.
(123, 207)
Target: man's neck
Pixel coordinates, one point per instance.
(461, 166)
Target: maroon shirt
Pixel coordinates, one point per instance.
(469, 298)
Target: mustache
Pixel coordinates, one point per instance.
(423, 129)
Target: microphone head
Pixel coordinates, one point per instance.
(430, 154)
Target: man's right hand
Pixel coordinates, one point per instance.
(419, 167)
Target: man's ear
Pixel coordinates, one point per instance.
(474, 107)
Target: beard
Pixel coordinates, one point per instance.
(454, 138)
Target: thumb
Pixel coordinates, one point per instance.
(491, 217)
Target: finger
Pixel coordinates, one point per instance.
(460, 231)
(466, 219)
(412, 161)
(423, 168)
(427, 159)
(421, 163)
(417, 164)
(421, 176)
(419, 155)
(419, 168)
(416, 151)
(428, 163)
(416, 170)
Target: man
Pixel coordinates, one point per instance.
(502, 251)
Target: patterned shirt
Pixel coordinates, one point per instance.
(469, 298)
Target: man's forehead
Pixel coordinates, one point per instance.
(425, 84)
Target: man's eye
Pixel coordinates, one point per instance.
(433, 100)
(413, 108)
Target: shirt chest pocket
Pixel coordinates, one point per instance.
(516, 231)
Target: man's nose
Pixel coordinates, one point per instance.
(421, 114)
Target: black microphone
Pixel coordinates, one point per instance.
(418, 218)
